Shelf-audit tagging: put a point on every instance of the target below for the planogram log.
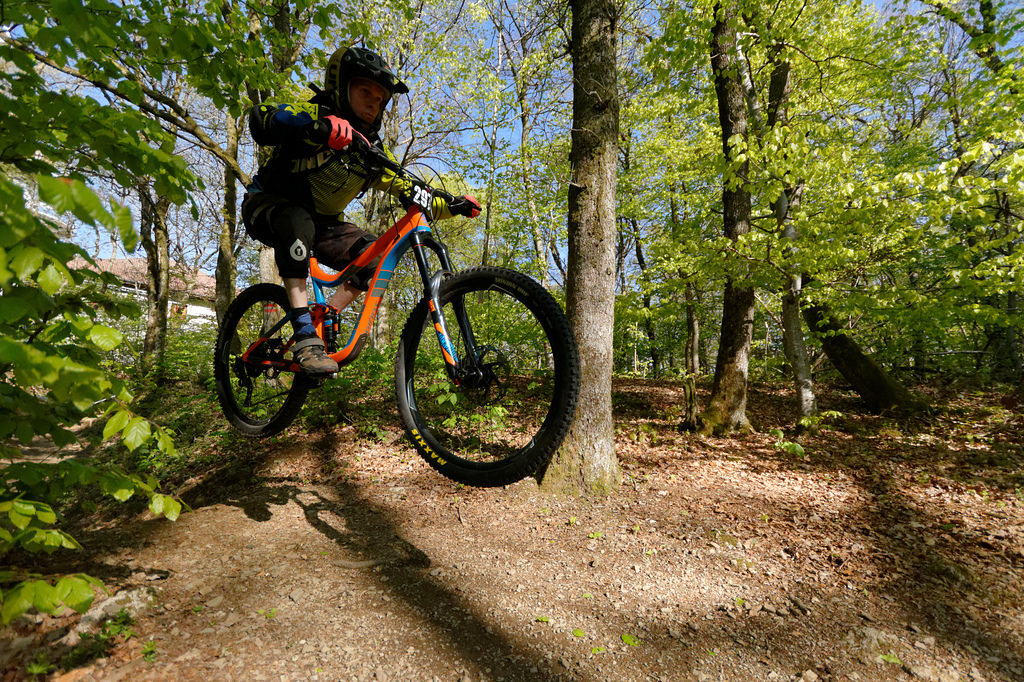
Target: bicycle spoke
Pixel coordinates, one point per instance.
(517, 380)
(258, 399)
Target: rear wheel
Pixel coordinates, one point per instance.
(514, 396)
(258, 398)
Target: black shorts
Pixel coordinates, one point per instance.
(295, 233)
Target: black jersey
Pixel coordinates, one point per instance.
(313, 175)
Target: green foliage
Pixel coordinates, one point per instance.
(902, 149)
(55, 321)
(29, 524)
(781, 443)
(40, 666)
(92, 646)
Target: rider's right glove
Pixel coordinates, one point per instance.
(336, 132)
(466, 205)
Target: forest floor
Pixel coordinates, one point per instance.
(885, 550)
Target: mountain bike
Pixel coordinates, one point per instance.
(486, 374)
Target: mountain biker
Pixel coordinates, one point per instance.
(297, 197)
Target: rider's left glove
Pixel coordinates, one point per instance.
(466, 205)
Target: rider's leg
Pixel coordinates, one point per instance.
(277, 222)
(338, 245)
(298, 297)
(295, 232)
(344, 295)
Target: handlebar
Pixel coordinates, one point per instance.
(421, 193)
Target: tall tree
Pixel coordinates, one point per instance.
(586, 462)
(727, 407)
(156, 243)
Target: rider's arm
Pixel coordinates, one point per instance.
(272, 125)
(443, 205)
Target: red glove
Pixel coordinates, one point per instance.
(466, 205)
(340, 135)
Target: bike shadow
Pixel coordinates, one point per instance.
(367, 532)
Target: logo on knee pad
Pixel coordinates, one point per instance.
(298, 250)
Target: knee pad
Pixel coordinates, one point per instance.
(294, 232)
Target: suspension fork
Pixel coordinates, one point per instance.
(431, 292)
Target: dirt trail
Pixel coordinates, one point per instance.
(337, 559)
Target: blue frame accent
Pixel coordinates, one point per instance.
(387, 269)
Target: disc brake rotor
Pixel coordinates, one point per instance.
(487, 380)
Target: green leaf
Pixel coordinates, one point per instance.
(44, 597)
(630, 640)
(172, 509)
(56, 192)
(123, 223)
(17, 601)
(165, 442)
(116, 423)
(19, 520)
(136, 433)
(68, 542)
(26, 260)
(76, 592)
(156, 504)
(119, 486)
(131, 90)
(577, 632)
(50, 279)
(105, 338)
(45, 513)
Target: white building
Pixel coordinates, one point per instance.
(192, 292)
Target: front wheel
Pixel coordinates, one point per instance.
(259, 398)
(514, 395)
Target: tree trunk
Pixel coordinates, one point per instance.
(692, 332)
(792, 329)
(155, 241)
(882, 393)
(586, 462)
(796, 350)
(727, 408)
(226, 269)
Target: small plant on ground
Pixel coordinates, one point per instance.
(92, 646)
(40, 666)
(788, 446)
(814, 421)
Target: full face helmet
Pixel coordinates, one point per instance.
(358, 62)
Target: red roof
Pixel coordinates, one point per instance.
(132, 271)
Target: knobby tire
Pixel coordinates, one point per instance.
(255, 403)
(500, 429)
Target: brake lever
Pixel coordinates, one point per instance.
(368, 150)
(422, 194)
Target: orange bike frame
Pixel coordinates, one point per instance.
(411, 232)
